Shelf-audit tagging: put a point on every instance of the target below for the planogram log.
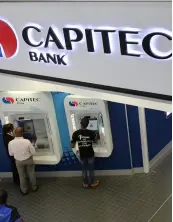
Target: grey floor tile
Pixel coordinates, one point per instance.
(165, 213)
(117, 199)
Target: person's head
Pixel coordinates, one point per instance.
(8, 128)
(3, 196)
(84, 123)
(19, 132)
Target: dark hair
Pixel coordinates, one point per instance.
(84, 122)
(7, 128)
(3, 196)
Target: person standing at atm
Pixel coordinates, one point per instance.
(85, 138)
(7, 137)
(23, 151)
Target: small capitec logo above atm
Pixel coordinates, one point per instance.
(8, 100)
(19, 100)
(73, 103)
(82, 104)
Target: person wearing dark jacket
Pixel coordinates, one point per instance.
(7, 137)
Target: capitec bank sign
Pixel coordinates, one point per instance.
(52, 45)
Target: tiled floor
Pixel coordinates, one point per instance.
(118, 199)
(164, 214)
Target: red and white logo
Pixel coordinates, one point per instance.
(8, 40)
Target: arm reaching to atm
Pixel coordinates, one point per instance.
(73, 143)
(74, 140)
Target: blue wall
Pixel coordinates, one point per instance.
(159, 131)
(135, 137)
(120, 158)
(4, 160)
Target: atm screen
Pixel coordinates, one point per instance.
(28, 127)
(28, 130)
(93, 125)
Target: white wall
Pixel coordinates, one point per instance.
(15, 83)
(141, 74)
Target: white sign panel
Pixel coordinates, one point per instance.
(123, 47)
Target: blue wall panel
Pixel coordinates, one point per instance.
(120, 157)
(135, 137)
(159, 131)
(4, 159)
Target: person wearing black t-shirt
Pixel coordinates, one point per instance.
(7, 137)
(85, 138)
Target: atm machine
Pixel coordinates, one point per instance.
(36, 128)
(78, 107)
(28, 128)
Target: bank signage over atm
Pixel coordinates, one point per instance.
(109, 47)
(68, 38)
(87, 37)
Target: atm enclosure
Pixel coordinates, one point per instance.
(78, 107)
(35, 113)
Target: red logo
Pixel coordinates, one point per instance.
(8, 40)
